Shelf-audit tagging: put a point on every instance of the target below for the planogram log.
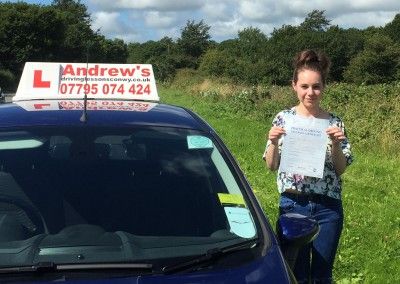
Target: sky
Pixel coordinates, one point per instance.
(143, 20)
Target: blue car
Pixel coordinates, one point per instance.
(100, 190)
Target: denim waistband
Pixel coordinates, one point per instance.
(310, 197)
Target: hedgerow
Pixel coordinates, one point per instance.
(371, 112)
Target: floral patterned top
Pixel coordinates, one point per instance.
(330, 184)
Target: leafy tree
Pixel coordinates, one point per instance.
(194, 41)
(242, 59)
(311, 33)
(167, 45)
(7, 80)
(77, 34)
(378, 63)
(251, 43)
(392, 29)
(230, 45)
(161, 54)
(59, 32)
(281, 48)
(28, 33)
(315, 21)
(141, 52)
(286, 41)
(217, 62)
(108, 51)
(341, 46)
(135, 54)
(316, 33)
(164, 67)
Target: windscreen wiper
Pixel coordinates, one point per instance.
(211, 255)
(53, 267)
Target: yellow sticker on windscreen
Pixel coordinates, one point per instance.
(232, 199)
(199, 142)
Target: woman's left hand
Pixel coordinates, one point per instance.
(336, 134)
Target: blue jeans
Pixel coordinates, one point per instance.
(315, 261)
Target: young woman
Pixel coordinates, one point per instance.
(319, 198)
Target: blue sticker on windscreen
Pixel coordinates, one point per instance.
(240, 221)
(199, 142)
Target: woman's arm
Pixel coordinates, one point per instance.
(338, 158)
(272, 156)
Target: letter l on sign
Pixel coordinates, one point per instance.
(37, 80)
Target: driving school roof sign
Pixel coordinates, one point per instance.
(44, 80)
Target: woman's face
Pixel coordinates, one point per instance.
(309, 87)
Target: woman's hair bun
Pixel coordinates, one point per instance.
(306, 56)
(312, 60)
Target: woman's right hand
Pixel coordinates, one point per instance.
(274, 134)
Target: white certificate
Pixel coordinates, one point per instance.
(304, 146)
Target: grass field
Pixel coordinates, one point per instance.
(369, 249)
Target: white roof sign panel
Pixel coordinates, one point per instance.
(45, 80)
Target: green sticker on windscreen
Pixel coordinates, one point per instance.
(199, 142)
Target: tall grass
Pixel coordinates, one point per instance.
(369, 250)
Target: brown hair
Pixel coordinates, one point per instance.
(313, 60)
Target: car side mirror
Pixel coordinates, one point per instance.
(294, 231)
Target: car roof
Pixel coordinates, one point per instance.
(13, 115)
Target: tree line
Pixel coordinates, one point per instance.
(61, 32)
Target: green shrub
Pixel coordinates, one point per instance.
(186, 78)
(216, 63)
(7, 81)
(378, 63)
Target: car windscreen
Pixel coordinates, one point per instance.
(110, 194)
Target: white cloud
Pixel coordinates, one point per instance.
(157, 19)
(159, 5)
(154, 19)
(364, 20)
(226, 29)
(267, 10)
(377, 5)
(218, 11)
(113, 25)
(107, 22)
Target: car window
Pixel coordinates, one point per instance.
(125, 193)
